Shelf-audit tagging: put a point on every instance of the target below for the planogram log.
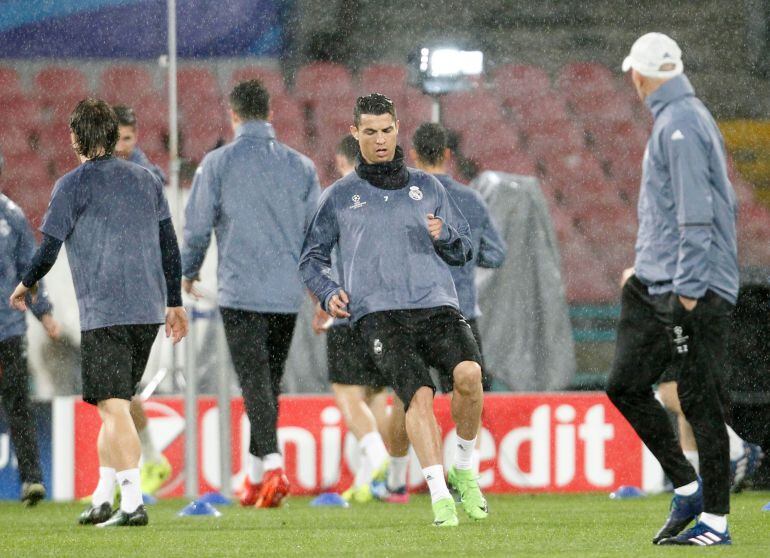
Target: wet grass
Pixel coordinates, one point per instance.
(522, 525)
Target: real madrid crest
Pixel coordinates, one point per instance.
(415, 193)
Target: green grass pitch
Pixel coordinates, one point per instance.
(522, 525)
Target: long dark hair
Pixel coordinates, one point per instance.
(95, 126)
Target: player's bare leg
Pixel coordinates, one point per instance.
(352, 402)
(398, 446)
(122, 449)
(155, 469)
(467, 404)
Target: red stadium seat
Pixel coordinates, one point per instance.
(126, 84)
(585, 76)
(388, 79)
(553, 140)
(197, 141)
(533, 113)
(196, 82)
(20, 110)
(418, 108)
(323, 80)
(583, 273)
(10, 84)
(15, 140)
(468, 109)
(270, 78)
(601, 106)
(56, 82)
(517, 82)
(151, 111)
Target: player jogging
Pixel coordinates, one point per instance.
(397, 229)
(357, 384)
(257, 194)
(122, 251)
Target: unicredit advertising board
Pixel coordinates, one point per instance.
(529, 443)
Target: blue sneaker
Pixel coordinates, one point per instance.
(683, 510)
(699, 535)
(743, 468)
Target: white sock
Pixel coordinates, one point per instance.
(150, 453)
(273, 461)
(464, 453)
(688, 489)
(397, 470)
(717, 522)
(692, 457)
(374, 450)
(476, 461)
(256, 469)
(130, 490)
(736, 444)
(364, 471)
(105, 488)
(434, 476)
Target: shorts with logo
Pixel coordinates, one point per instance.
(114, 359)
(348, 361)
(404, 343)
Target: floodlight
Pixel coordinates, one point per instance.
(443, 69)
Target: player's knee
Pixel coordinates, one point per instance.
(467, 377)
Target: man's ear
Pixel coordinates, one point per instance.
(354, 132)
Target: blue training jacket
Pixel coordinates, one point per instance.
(17, 246)
(388, 258)
(488, 246)
(687, 207)
(258, 195)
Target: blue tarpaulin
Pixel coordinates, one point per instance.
(137, 28)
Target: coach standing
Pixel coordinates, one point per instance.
(677, 298)
(258, 195)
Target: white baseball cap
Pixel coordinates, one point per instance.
(653, 52)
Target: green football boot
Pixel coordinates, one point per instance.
(445, 513)
(466, 484)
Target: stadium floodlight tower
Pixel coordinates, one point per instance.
(438, 70)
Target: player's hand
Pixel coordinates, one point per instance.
(337, 305)
(321, 320)
(188, 286)
(51, 326)
(176, 323)
(434, 226)
(688, 303)
(18, 300)
(626, 275)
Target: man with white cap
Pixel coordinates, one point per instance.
(677, 299)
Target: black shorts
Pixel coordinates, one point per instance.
(447, 382)
(114, 359)
(348, 361)
(405, 343)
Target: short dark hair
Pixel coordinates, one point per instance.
(348, 148)
(250, 100)
(374, 103)
(95, 126)
(126, 115)
(429, 141)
